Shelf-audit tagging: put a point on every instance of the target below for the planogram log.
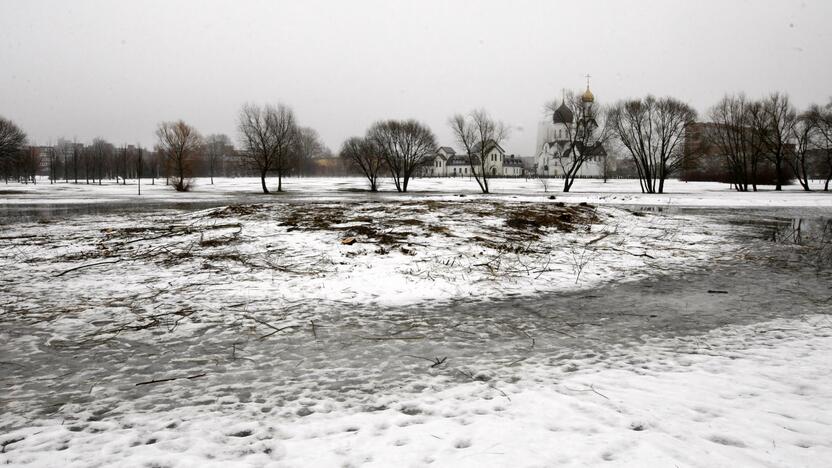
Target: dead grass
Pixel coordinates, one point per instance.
(235, 210)
(439, 230)
(219, 241)
(539, 217)
(381, 228)
(391, 224)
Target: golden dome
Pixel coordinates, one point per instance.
(587, 96)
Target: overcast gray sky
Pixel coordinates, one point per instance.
(114, 69)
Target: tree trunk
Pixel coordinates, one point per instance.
(263, 181)
(778, 168)
(567, 182)
(805, 180)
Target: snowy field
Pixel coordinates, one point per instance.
(615, 192)
(332, 327)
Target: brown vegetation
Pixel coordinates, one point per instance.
(561, 218)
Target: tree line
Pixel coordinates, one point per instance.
(180, 154)
(751, 132)
(742, 135)
(653, 133)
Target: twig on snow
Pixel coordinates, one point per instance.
(87, 266)
(155, 381)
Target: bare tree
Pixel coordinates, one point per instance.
(802, 134)
(99, 153)
(478, 134)
(820, 119)
(406, 145)
(125, 156)
(364, 154)
(52, 156)
(139, 154)
(731, 133)
(28, 164)
(63, 149)
(152, 158)
(652, 129)
(773, 124)
(585, 137)
(179, 143)
(77, 154)
(215, 146)
(308, 147)
(268, 135)
(12, 139)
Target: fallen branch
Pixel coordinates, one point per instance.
(381, 338)
(631, 253)
(276, 329)
(558, 331)
(87, 266)
(182, 230)
(601, 237)
(22, 236)
(192, 377)
(436, 361)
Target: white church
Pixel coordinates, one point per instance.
(554, 143)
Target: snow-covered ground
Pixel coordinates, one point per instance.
(618, 192)
(331, 327)
(744, 395)
(401, 252)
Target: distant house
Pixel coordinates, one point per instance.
(459, 165)
(447, 163)
(513, 167)
(436, 165)
(497, 163)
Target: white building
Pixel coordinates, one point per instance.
(437, 166)
(446, 163)
(554, 143)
